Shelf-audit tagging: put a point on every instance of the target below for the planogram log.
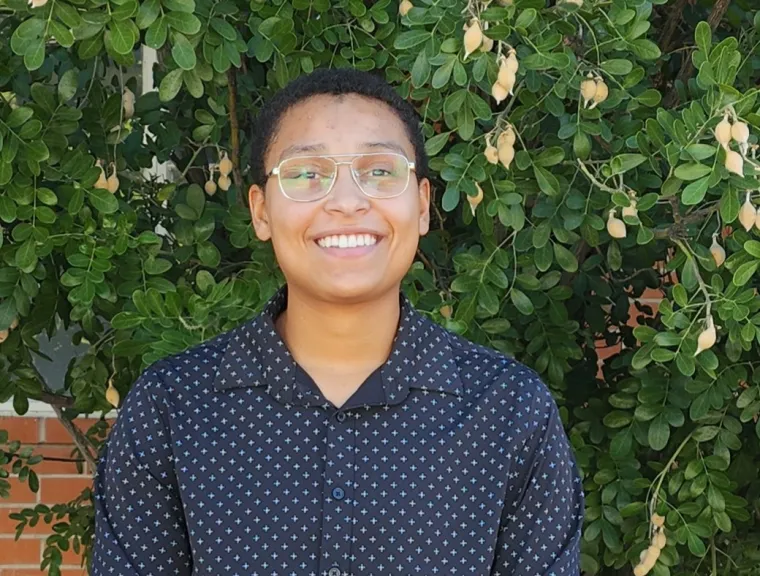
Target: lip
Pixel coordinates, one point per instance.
(347, 232)
(356, 252)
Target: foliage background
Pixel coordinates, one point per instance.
(160, 266)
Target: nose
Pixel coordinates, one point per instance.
(346, 196)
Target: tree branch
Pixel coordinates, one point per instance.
(678, 229)
(237, 178)
(716, 15)
(671, 24)
(57, 400)
(80, 440)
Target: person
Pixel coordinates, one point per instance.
(340, 431)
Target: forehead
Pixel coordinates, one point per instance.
(338, 124)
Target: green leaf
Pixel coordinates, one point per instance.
(565, 258)
(180, 5)
(522, 302)
(103, 201)
(6, 173)
(703, 37)
(410, 39)
(744, 273)
(659, 432)
(34, 55)
(122, 36)
(618, 67)
(67, 85)
(149, 11)
(156, 35)
(19, 116)
(547, 182)
(8, 313)
(185, 23)
(645, 49)
(196, 199)
(170, 85)
(692, 171)
(209, 254)
(435, 144)
(526, 18)
(696, 546)
(224, 29)
(183, 52)
(695, 192)
(617, 419)
(752, 247)
(26, 255)
(624, 162)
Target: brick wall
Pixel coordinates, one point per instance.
(59, 482)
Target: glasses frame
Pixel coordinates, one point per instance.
(411, 167)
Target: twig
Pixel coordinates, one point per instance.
(80, 440)
(57, 400)
(716, 15)
(678, 230)
(674, 17)
(234, 132)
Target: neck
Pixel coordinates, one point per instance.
(339, 337)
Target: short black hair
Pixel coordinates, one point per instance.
(335, 81)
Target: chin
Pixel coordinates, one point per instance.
(346, 290)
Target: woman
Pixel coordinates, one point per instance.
(339, 432)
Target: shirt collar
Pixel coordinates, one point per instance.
(256, 356)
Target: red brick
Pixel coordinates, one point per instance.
(20, 428)
(23, 551)
(69, 571)
(56, 490)
(55, 433)
(54, 467)
(20, 493)
(8, 526)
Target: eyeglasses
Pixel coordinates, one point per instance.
(311, 178)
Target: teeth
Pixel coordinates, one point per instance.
(347, 241)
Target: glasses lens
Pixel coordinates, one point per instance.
(306, 178)
(382, 175)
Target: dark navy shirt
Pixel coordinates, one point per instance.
(228, 460)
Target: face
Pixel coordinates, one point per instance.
(304, 234)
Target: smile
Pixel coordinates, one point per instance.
(348, 241)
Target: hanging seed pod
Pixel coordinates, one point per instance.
(112, 394)
(128, 100)
(210, 187)
(4, 335)
(707, 337)
(615, 226)
(658, 520)
(747, 214)
(113, 180)
(507, 136)
(734, 162)
(446, 311)
(224, 182)
(37, 3)
(506, 153)
(649, 559)
(512, 64)
(491, 154)
(487, 44)
(506, 77)
(473, 38)
(14, 324)
(718, 252)
(757, 220)
(404, 7)
(225, 165)
(578, 3)
(740, 132)
(588, 89)
(660, 540)
(498, 92)
(723, 132)
(631, 211)
(475, 200)
(102, 181)
(600, 94)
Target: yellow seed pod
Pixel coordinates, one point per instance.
(491, 154)
(507, 136)
(487, 44)
(512, 64)
(747, 214)
(600, 94)
(650, 557)
(128, 101)
(224, 182)
(102, 181)
(14, 324)
(578, 3)
(113, 180)
(616, 227)
(475, 200)
(112, 395)
(210, 187)
(631, 210)
(473, 38)
(757, 220)
(506, 3)
(734, 162)
(506, 77)
(658, 520)
(4, 335)
(506, 154)
(723, 132)
(740, 132)
(707, 337)
(446, 311)
(588, 89)
(225, 165)
(660, 540)
(718, 252)
(404, 7)
(499, 92)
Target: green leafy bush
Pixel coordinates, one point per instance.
(592, 173)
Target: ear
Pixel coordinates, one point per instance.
(424, 200)
(259, 216)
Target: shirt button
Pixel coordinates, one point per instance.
(341, 416)
(334, 571)
(338, 493)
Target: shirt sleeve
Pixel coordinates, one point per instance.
(542, 519)
(139, 523)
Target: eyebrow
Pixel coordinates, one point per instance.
(298, 149)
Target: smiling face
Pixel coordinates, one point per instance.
(345, 247)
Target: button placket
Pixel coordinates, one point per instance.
(338, 506)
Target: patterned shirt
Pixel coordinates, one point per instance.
(227, 460)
